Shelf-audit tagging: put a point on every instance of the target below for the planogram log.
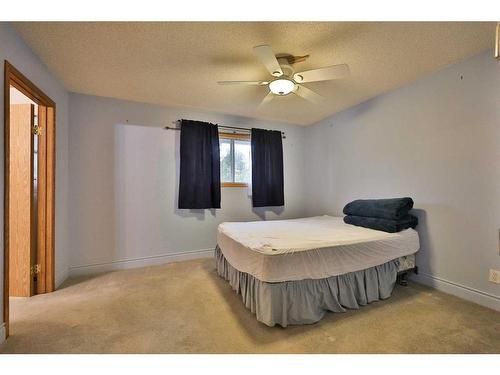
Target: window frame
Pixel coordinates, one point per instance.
(236, 137)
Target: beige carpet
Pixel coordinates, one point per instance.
(186, 308)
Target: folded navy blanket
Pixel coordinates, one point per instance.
(394, 209)
(386, 225)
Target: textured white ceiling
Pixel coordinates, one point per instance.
(179, 63)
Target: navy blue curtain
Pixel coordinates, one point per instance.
(267, 168)
(199, 180)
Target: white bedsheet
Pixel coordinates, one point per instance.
(309, 248)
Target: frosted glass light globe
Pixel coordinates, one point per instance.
(281, 86)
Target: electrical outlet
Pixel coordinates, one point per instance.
(494, 276)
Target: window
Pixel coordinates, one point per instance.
(235, 159)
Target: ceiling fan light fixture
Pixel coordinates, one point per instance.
(281, 86)
(285, 80)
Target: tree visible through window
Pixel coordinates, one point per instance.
(235, 159)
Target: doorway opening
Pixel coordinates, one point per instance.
(29, 195)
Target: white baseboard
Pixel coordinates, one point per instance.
(140, 262)
(462, 291)
(2, 332)
(61, 277)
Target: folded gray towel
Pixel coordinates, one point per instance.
(393, 209)
(386, 225)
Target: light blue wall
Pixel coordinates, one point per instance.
(124, 178)
(438, 141)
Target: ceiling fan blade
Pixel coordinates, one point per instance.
(308, 94)
(268, 58)
(249, 83)
(322, 74)
(266, 99)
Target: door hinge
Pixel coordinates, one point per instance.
(37, 130)
(35, 269)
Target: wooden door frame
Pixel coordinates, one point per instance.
(13, 77)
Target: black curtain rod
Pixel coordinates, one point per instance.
(220, 126)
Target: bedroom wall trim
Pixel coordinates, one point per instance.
(458, 290)
(140, 262)
(2, 332)
(61, 277)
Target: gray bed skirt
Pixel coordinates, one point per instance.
(307, 301)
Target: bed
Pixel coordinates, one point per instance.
(294, 271)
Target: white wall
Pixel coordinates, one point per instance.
(13, 49)
(124, 185)
(438, 141)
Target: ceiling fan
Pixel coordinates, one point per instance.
(285, 80)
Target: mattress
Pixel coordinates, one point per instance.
(309, 248)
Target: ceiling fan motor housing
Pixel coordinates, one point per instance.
(286, 67)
